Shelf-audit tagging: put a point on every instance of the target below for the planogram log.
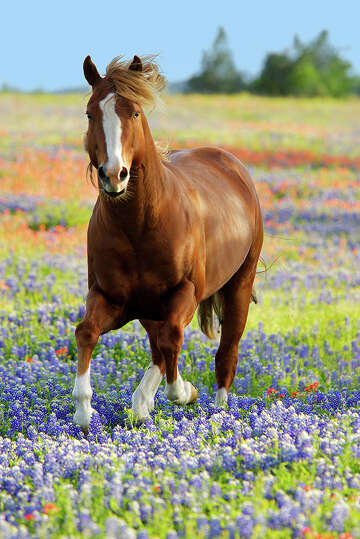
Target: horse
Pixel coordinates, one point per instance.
(167, 236)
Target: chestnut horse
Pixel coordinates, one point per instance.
(166, 236)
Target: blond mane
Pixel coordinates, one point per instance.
(143, 87)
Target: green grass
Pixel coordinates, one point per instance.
(256, 123)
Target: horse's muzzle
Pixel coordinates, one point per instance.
(113, 190)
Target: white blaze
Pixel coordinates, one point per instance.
(112, 131)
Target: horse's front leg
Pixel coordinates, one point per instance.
(100, 317)
(181, 309)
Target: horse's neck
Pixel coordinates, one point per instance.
(153, 174)
(140, 206)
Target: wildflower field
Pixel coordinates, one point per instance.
(283, 460)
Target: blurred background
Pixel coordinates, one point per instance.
(277, 84)
(43, 45)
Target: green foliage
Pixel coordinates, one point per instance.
(218, 72)
(313, 69)
(305, 79)
(274, 76)
(308, 69)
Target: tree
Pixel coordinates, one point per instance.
(305, 80)
(218, 72)
(313, 69)
(274, 78)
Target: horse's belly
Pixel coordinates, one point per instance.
(227, 244)
(147, 304)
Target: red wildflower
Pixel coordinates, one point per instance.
(308, 487)
(271, 391)
(312, 387)
(294, 394)
(61, 351)
(29, 360)
(29, 516)
(281, 396)
(346, 535)
(49, 507)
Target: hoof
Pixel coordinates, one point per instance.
(141, 406)
(181, 392)
(82, 418)
(194, 394)
(221, 398)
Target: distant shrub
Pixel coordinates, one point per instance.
(313, 69)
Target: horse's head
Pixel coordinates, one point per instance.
(115, 137)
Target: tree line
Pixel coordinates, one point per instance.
(307, 69)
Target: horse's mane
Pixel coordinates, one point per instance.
(143, 87)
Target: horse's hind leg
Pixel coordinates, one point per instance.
(144, 394)
(236, 295)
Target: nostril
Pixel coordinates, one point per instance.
(123, 173)
(101, 173)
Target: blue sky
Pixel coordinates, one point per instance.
(43, 43)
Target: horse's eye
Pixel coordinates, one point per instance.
(136, 114)
(89, 116)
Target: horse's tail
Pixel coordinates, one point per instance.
(211, 305)
(253, 296)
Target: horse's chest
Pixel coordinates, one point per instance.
(137, 278)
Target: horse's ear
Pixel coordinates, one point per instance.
(90, 71)
(136, 64)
